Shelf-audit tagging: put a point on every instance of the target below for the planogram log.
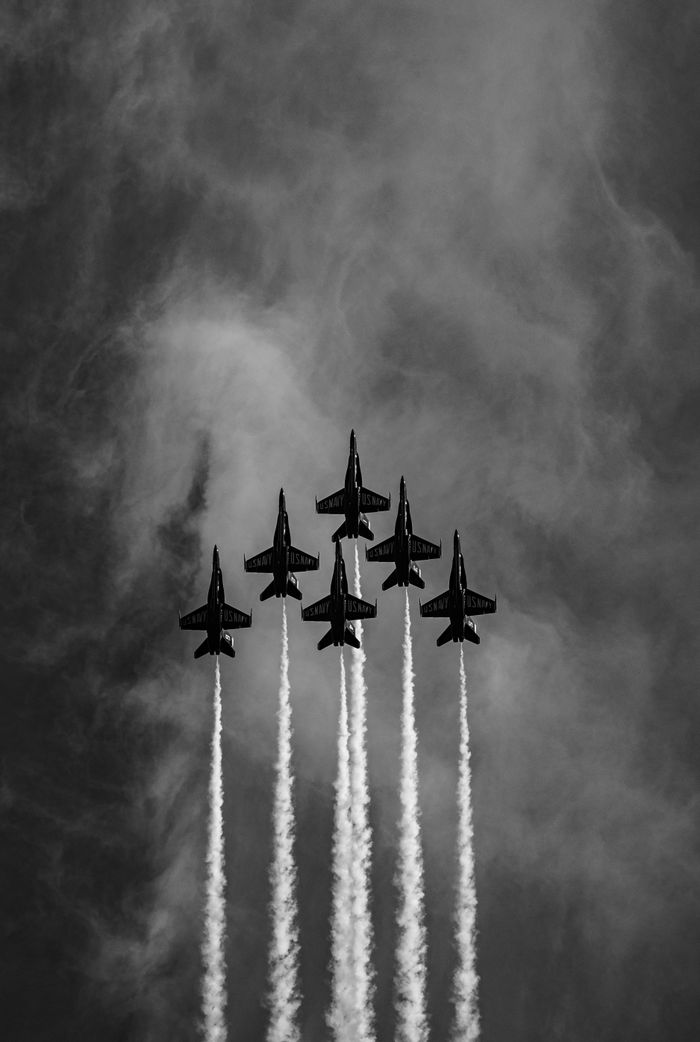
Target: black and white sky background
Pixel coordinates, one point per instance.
(230, 232)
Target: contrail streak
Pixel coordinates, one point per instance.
(411, 1020)
(284, 946)
(213, 947)
(361, 840)
(466, 1024)
(341, 1014)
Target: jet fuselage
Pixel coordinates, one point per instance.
(461, 628)
(403, 530)
(338, 591)
(353, 488)
(215, 606)
(281, 544)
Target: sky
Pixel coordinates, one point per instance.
(231, 232)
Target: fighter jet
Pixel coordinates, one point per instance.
(338, 608)
(280, 559)
(458, 603)
(352, 500)
(403, 548)
(215, 617)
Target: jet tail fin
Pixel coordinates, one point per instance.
(293, 590)
(227, 645)
(364, 529)
(269, 591)
(471, 634)
(203, 648)
(350, 638)
(416, 578)
(445, 636)
(391, 580)
(325, 641)
(340, 533)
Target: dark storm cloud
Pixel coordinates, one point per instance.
(231, 234)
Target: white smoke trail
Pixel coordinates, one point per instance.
(411, 1020)
(466, 1025)
(213, 947)
(284, 946)
(361, 841)
(341, 1014)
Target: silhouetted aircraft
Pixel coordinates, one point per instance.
(215, 617)
(352, 500)
(338, 608)
(280, 559)
(403, 548)
(458, 603)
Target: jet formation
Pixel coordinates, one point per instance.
(340, 608)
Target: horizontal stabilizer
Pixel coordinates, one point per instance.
(340, 533)
(390, 580)
(203, 648)
(293, 589)
(268, 592)
(445, 636)
(325, 641)
(227, 645)
(351, 639)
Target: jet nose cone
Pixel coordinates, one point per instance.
(281, 499)
(402, 486)
(456, 539)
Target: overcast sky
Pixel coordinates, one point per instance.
(231, 231)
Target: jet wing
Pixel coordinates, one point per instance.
(195, 620)
(438, 608)
(301, 562)
(371, 502)
(384, 551)
(422, 550)
(233, 619)
(320, 611)
(479, 605)
(357, 609)
(261, 562)
(334, 504)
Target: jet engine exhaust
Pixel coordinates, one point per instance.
(361, 839)
(410, 974)
(284, 997)
(214, 944)
(340, 1016)
(465, 985)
